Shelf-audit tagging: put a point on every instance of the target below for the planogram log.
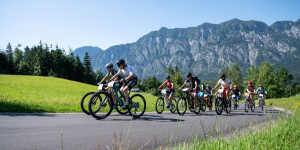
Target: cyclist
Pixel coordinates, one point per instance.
(225, 85)
(111, 73)
(130, 79)
(209, 93)
(250, 89)
(170, 90)
(193, 87)
(261, 90)
(202, 89)
(236, 92)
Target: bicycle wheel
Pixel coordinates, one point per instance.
(211, 104)
(137, 105)
(159, 105)
(85, 103)
(219, 106)
(120, 110)
(173, 110)
(246, 105)
(181, 106)
(234, 104)
(100, 105)
(252, 105)
(261, 104)
(228, 106)
(198, 106)
(203, 105)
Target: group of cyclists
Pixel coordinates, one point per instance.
(196, 88)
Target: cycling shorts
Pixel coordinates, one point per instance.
(130, 83)
(170, 91)
(200, 94)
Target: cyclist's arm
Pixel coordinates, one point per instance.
(217, 86)
(162, 85)
(114, 77)
(103, 79)
(131, 75)
(172, 85)
(183, 85)
(196, 85)
(265, 91)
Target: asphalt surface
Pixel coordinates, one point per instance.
(152, 130)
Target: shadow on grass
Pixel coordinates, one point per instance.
(20, 109)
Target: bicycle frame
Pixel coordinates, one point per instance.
(116, 91)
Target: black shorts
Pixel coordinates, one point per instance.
(170, 91)
(130, 83)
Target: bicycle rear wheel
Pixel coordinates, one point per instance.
(173, 110)
(252, 105)
(137, 105)
(198, 106)
(203, 105)
(228, 106)
(100, 105)
(246, 105)
(181, 106)
(159, 105)
(119, 109)
(85, 102)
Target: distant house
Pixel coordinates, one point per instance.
(136, 90)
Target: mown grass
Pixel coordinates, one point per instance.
(284, 134)
(20, 93)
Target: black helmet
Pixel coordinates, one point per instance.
(222, 75)
(109, 65)
(168, 77)
(260, 85)
(189, 74)
(208, 85)
(121, 62)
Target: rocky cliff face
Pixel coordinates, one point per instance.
(205, 49)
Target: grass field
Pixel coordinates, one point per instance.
(46, 94)
(284, 134)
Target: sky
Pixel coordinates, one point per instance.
(74, 23)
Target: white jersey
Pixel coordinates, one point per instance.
(127, 71)
(224, 84)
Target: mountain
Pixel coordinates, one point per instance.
(205, 49)
(92, 51)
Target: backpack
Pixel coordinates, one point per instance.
(198, 81)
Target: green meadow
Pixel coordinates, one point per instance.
(19, 93)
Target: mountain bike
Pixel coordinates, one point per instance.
(222, 103)
(84, 102)
(261, 101)
(187, 101)
(209, 102)
(235, 101)
(249, 103)
(160, 103)
(101, 105)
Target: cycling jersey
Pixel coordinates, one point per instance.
(127, 71)
(208, 90)
(251, 88)
(236, 91)
(112, 73)
(193, 83)
(224, 84)
(261, 91)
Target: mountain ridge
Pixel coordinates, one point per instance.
(207, 48)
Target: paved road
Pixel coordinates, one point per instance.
(79, 131)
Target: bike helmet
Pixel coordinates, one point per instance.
(189, 74)
(260, 85)
(208, 85)
(235, 86)
(109, 65)
(168, 77)
(222, 75)
(121, 62)
(250, 82)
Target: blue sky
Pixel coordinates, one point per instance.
(75, 23)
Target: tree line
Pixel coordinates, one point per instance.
(42, 60)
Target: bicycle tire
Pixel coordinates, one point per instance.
(120, 110)
(82, 105)
(161, 103)
(181, 103)
(94, 99)
(173, 110)
(219, 106)
(203, 105)
(134, 105)
(252, 106)
(198, 106)
(246, 105)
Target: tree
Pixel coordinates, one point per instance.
(3, 62)
(170, 71)
(236, 76)
(10, 62)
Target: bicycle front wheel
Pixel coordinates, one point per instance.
(252, 105)
(100, 105)
(137, 105)
(85, 102)
(181, 106)
(159, 105)
(120, 110)
(219, 106)
(246, 105)
(203, 105)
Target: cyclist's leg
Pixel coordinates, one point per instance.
(171, 97)
(168, 94)
(195, 98)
